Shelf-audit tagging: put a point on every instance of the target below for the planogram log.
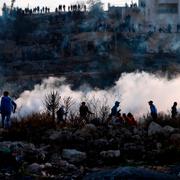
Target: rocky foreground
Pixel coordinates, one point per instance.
(91, 152)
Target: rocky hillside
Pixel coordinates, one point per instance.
(32, 47)
(45, 151)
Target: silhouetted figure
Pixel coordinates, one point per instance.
(64, 8)
(114, 110)
(56, 10)
(84, 111)
(38, 9)
(7, 107)
(153, 110)
(60, 7)
(119, 119)
(60, 114)
(131, 120)
(85, 8)
(43, 10)
(169, 28)
(174, 110)
(178, 28)
(79, 7)
(46, 9)
(125, 119)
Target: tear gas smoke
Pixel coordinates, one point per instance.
(133, 90)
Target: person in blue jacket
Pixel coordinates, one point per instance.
(153, 110)
(7, 107)
(114, 110)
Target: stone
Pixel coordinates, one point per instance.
(73, 155)
(175, 139)
(89, 127)
(110, 154)
(168, 129)
(48, 165)
(129, 173)
(34, 168)
(87, 132)
(66, 166)
(55, 135)
(101, 143)
(154, 129)
(133, 150)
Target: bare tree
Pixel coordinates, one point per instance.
(68, 103)
(51, 102)
(104, 110)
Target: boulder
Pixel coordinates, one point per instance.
(175, 139)
(133, 150)
(168, 130)
(74, 156)
(101, 143)
(154, 129)
(48, 165)
(87, 132)
(90, 127)
(110, 154)
(66, 166)
(34, 168)
(55, 135)
(129, 173)
(60, 136)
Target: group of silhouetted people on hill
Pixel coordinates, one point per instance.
(8, 106)
(115, 116)
(71, 8)
(42, 10)
(154, 113)
(121, 119)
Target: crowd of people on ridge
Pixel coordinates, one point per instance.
(43, 10)
(8, 106)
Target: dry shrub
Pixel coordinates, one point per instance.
(31, 128)
(51, 102)
(163, 120)
(35, 120)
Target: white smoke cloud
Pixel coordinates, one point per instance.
(133, 90)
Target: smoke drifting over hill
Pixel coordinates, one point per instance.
(133, 90)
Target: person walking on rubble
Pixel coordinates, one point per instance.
(7, 107)
(153, 110)
(84, 111)
(61, 114)
(174, 110)
(114, 110)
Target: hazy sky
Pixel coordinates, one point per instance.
(53, 3)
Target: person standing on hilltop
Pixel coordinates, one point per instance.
(60, 115)
(174, 110)
(7, 107)
(114, 110)
(84, 111)
(153, 110)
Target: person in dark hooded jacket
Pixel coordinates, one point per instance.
(84, 111)
(114, 110)
(174, 110)
(60, 114)
(7, 107)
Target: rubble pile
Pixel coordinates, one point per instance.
(92, 152)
